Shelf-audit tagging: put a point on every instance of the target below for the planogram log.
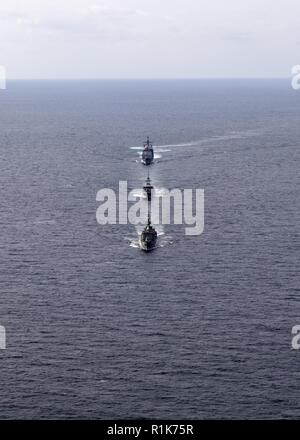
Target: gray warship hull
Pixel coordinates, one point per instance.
(148, 240)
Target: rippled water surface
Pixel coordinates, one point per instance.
(199, 328)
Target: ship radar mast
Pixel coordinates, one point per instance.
(148, 142)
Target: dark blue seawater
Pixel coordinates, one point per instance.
(199, 328)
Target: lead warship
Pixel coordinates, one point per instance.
(148, 237)
(148, 153)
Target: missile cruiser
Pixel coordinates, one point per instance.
(148, 188)
(148, 153)
(148, 237)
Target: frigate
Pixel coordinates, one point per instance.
(148, 153)
(148, 237)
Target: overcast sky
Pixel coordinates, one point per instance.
(149, 38)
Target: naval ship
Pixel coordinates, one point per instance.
(148, 153)
(148, 237)
(148, 188)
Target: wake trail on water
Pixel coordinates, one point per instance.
(201, 142)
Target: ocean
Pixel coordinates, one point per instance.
(200, 328)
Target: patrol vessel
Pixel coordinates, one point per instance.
(148, 153)
(148, 237)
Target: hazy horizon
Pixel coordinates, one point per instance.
(154, 79)
(142, 39)
(287, 78)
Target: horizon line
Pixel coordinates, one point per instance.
(152, 79)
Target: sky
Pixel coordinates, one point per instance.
(149, 38)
